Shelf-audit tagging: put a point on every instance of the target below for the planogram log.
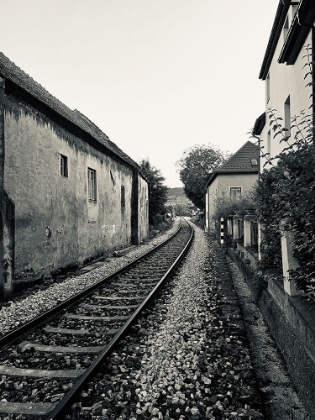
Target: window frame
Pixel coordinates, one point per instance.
(122, 196)
(92, 196)
(287, 116)
(63, 166)
(268, 88)
(235, 198)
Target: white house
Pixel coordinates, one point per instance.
(283, 70)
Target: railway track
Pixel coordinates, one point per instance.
(45, 363)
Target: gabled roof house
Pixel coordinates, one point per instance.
(232, 179)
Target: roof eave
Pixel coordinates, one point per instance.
(273, 39)
(259, 124)
(294, 42)
(215, 174)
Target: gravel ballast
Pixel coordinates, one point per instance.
(21, 309)
(187, 357)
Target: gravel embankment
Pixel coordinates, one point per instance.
(187, 357)
(19, 310)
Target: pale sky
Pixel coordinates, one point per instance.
(157, 76)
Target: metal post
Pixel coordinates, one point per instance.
(222, 231)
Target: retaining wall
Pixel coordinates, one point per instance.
(291, 321)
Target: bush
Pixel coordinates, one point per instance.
(287, 191)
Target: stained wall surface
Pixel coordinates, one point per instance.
(56, 224)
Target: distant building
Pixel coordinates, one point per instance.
(68, 193)
(233, 179)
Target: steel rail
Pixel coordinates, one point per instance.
(61, 408)
(45, 316)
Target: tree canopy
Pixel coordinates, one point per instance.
(157, 189)
(196, 165)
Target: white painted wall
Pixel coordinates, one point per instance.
(285, 80)
(221, 186)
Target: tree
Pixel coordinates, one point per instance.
(157, 191)
(196, 165)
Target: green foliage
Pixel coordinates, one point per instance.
(225, 206)
(287, 191)
(157, 191)
(196, 166)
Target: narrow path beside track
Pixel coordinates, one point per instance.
(188, 356)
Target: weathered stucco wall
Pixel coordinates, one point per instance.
(56, 223)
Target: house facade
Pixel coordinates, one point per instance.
(233, 179)
(287, 73)
(69, 193)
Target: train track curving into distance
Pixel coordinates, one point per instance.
(45, 363)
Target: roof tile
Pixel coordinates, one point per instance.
(12, 72)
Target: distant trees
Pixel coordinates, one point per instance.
(157, 190)
(196, 165)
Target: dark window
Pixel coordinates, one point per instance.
(254, 162)
(64, 165)
(122, 196)
(235, 193)
(287, 116)
(267, 87)
(92, 184)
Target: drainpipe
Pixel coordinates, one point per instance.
(2, 86)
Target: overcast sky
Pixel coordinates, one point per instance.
(157, 76)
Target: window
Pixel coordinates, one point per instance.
(268, 144)
(235, 193)
(92, 184)
(64, 166)
(267, 87)
(122, 197)
(287, 116)
(254, 162)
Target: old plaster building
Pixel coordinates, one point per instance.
(68, 194)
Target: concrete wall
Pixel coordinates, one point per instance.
(56, 223)
(285, 80)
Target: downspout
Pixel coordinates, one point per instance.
(2, 154)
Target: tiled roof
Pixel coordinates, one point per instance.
(241, 161)
(245, 160)
(13, 73)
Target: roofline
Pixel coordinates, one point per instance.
(17, 91)
(273, 39)
(299, 30)
(215, 174)
(61, 114)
